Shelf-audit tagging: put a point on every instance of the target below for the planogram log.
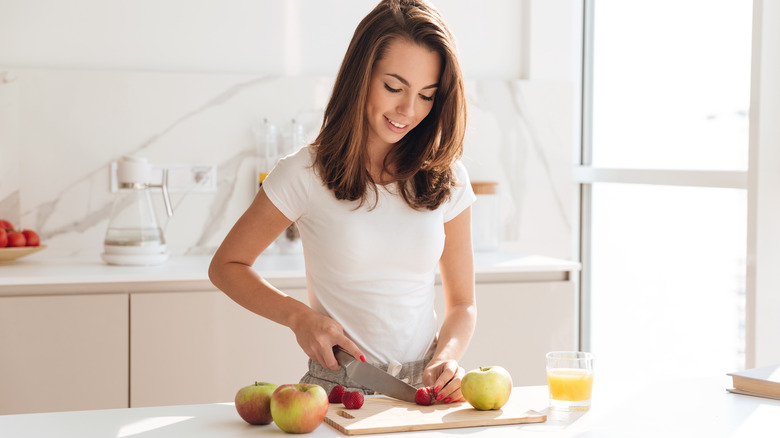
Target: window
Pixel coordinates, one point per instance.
(671, 84)
(664, 185)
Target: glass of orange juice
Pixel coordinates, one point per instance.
(570, 380)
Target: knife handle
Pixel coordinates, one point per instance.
(340, 348)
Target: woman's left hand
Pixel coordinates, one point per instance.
(444, 377)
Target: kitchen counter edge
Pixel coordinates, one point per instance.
(84, 275)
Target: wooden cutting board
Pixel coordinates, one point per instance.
(383, 414)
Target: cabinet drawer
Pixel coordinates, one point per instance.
(63, 353)
(201, 347)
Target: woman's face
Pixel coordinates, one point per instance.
(401, 91)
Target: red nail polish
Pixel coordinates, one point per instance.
(438, 397)
(437, 389)
(447, 400)
(362, 358)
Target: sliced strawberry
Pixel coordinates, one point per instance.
(335, 394)
(425, 396)
(352, 399)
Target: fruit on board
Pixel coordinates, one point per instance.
(425, 396)
(486, 388)
(253, 402)
(3, 238)
(32, 238)
(16, 239)
(6, 225)
(299, 407)
(352, 399)
(336, 393)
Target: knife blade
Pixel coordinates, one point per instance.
(374, 378)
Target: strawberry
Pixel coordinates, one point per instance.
(3, 238)
(335, 394)
(15, 238)
(352, 399)
(425, 396)
(32, 238)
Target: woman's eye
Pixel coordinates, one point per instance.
(426, 98)
(392, 90)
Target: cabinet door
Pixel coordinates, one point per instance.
(63, 353)
(201, 347)
(517, 324)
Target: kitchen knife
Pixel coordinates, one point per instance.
(374, 378)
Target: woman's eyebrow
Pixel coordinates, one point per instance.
(405, 82)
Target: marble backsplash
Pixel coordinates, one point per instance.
(61, 129)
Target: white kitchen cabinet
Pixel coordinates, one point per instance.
(80, 334)
(61, 353)
(201, 347)
(517, 324)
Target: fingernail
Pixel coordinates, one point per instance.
(447, 400)
(362, 358)
(437, 389)
(438, 397)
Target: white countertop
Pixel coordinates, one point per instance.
(695, 407)
(40, 274)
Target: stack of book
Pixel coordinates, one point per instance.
(759, 382)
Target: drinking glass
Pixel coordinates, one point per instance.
(570, 380)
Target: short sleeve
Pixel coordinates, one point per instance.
(287, 185)
(462, 195)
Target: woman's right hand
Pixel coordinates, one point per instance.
(318, 334)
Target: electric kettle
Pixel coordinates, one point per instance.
(134, 236)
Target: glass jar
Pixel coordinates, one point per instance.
(486, 216)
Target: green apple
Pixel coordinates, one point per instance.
(299, 408)
(487, 388)
(253, 402)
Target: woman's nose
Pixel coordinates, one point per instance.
(406, 106)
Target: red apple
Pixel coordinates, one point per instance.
(253, 402)
(6, 225)
(32, 238)
(3, 238)
(16, 238)
(299, 408)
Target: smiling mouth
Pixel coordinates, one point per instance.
(396, 124)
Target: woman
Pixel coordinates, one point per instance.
(380, 199)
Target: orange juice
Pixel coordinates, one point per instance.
(570, 384)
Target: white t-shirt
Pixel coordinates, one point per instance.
(372, 270)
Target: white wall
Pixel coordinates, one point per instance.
(114, 77)
(554, 40)
(85, 75)
(296, 37)
(763, 252)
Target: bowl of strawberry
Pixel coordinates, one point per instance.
(16, 243)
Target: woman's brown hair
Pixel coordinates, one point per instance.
(422, 161)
